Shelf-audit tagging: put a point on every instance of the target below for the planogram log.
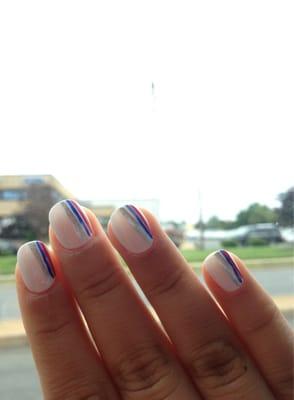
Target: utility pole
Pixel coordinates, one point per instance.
(201, 223)
(153, 96)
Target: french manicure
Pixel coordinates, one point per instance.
(131, 229)
(223, 270)
(35, 265)
(70, 224)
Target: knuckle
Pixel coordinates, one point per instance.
(50, 316)
(88, 396)
(285, 385)
(217, 366)
(170, 283)
(146, 370)
(260, 322)
(98, 285)
(76, 392)
(53, 327)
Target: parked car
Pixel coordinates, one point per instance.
(269, 233)
(7, 247)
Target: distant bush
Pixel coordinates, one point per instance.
(256, 242)
(229, 243)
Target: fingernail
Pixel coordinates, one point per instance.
(223, 270)
(131, 229)
(35, 265)
(70, 224)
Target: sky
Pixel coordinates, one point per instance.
(76, 100)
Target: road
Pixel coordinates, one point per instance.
(18, 379)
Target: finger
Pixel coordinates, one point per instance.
(67, 362)
(204, 341)
(255, 317)
(135, 350)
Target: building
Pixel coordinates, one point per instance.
(14, 193)
(102, 211)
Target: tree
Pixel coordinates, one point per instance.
(16, 228)
(215, 223)
(40, 199)
(256, 213)
(200, 225)
(286, 211)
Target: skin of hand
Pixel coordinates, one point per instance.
(93, 336)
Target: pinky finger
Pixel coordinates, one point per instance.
(255, 318)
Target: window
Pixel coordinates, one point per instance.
(34, 181)
(12, 195)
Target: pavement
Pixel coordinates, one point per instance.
(18, 375)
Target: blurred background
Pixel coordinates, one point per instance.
(181, 107)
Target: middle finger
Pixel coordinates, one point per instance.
(135, 350)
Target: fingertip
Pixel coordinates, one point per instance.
(131, 229)
(17, 276)
(222, 268)
(67, 231)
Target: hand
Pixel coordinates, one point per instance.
(237, 346)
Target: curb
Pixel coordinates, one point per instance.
(7, 278)
(257, 263)
(12, 334)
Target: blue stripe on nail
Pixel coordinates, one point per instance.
(45, 259)
(229, 260)
(140, 216)
(140, 221)
(78, 217)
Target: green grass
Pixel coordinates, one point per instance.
(246, 253)
(7, 263)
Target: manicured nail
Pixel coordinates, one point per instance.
(223, 270)
(36, 267)
(131, 229)
(70, 224)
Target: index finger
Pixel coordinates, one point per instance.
(205, 342)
